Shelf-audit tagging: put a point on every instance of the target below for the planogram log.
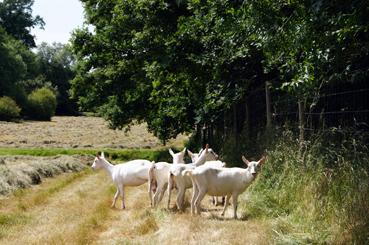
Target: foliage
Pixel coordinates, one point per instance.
(8, 109)
(195, 64)
(56, 64)
(42, 104)
(16, 18)
(21, 69)
(12, 64)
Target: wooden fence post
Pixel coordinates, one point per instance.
(301, 105)
(268, 106)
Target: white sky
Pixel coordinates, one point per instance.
(60, 17)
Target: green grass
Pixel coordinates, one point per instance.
(11, 219)
(114, 154)
(322, 199)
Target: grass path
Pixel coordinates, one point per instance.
(142, 225)
(80, 213)
(57, 220)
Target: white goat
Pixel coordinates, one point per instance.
(221, 182)
(158, 175)
(132, 173)
(210, 157)
(178, 157)
(181, 181)
(211, 161)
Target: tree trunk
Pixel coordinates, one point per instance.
(268, 106)
(301, 105)
(246, 123)
(235, 126)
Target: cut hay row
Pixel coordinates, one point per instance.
(21, 171)
(59, 220)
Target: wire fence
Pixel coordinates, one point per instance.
(348, 110)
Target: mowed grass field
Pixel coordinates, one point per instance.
(74, 207)
(79, 213)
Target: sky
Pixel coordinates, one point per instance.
(60, 17)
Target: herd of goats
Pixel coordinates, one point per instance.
(206, 175)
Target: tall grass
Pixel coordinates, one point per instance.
(320, 196)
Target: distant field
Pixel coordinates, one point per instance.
(77, 132)
(30, 148)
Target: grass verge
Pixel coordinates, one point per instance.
(320, 198)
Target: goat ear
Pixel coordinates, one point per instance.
(184, 150)
(262, 160)
(102, 155)
(245, 160)
(189, 153)
(171, 152)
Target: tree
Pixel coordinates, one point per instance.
(13, 63)
(56, 64)
(17, 20)
(193, 64)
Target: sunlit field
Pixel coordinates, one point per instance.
(68, 203)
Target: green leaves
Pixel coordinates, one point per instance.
(16, 18)
(183, 64)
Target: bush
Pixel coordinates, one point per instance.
(42, 104)
(8, 109)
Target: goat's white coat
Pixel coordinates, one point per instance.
(221, 182)
(184, 182)
(132, 173)
(211, 160)
(159, 173)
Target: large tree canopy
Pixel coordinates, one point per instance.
(182, 64)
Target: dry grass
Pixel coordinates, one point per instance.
(75, 208)
(80, 213)
(142, 225)
(59, 220)
(23, 171)
(77, 132)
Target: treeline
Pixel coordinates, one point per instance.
(218, 68)
(34, 81)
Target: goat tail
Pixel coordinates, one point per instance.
(152, 179)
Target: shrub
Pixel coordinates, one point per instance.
(42, 104)
(8, 109)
